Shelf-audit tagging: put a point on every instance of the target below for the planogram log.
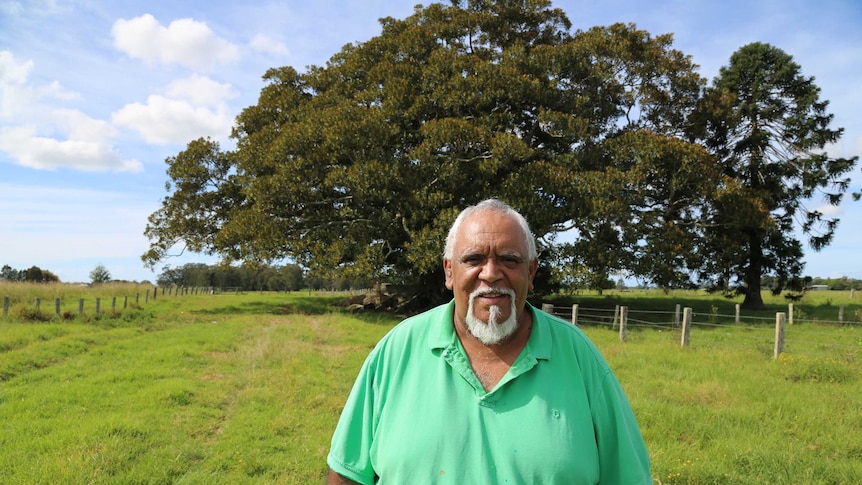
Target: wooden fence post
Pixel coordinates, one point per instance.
(155, 292)
(575, 314)
(80, 306)
(137, 298)
(57, 306)
(779, 334)
(676, 316)
(841, 313)
(125, 302)
(548, 308)
(624, 316)
(686, 327)
(113, 304)
(737, 313)
(616, 313)
(790, 313)
(147, 297)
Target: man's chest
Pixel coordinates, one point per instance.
(441, 427)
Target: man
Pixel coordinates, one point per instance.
(487, 389)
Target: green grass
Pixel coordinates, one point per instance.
(248, 388)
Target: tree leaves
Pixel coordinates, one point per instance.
(360, 166)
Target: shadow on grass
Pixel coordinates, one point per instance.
(313, 305)
(296, 306)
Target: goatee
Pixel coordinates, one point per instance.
(492, 332)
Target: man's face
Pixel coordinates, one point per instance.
(490, 252)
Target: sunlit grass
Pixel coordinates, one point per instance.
(248, 388)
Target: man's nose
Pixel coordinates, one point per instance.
(490, 271)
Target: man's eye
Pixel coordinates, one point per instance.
(472, 260)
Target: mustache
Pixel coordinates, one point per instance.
(492, 292)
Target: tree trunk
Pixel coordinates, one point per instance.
(753, 298)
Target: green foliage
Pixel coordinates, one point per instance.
(358, 168)
(33, 274)
(99, 275)
(769, 128)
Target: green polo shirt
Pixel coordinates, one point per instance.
(418, 414)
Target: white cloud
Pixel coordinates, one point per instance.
(269, 45)
(12, 72)
(64, 138)
(188, 109)
(200, 91)
(165, 121)
(31, 150)
(185, 42)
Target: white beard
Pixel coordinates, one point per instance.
(491, 332)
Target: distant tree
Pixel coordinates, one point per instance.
(99, 275)
(9, 273)
(769, 128)
(49, 277)
(34, 274)
(292, 275)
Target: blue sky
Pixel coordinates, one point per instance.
(95, 95)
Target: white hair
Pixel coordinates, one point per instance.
(491, 205)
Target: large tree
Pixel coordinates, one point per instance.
(769, 129)
(361, 165)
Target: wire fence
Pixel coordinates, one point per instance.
(781, 334)
(67, 308)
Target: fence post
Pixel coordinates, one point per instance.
(686, 326)
(616, 314)
(624, 317)
(155, 292)
(57, 306)
(841, 313)
(137, 298)
(852, 292)
(147, 297)
(737, 313)
(575, 314)
(98, 305)
(80, 306)
(548, 308)
(790, 313)
(676, 316)
(113, 304)
(779, 334)
(5, 306)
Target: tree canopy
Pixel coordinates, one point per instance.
(358, 167)
(99, 275)
(769, 129)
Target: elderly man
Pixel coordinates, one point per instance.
(487, 389)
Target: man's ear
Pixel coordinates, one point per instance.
(447, 270)
(534, 266)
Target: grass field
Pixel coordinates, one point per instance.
(247, 389)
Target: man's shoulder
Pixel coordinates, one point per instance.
(570, 339)
(428, 326)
